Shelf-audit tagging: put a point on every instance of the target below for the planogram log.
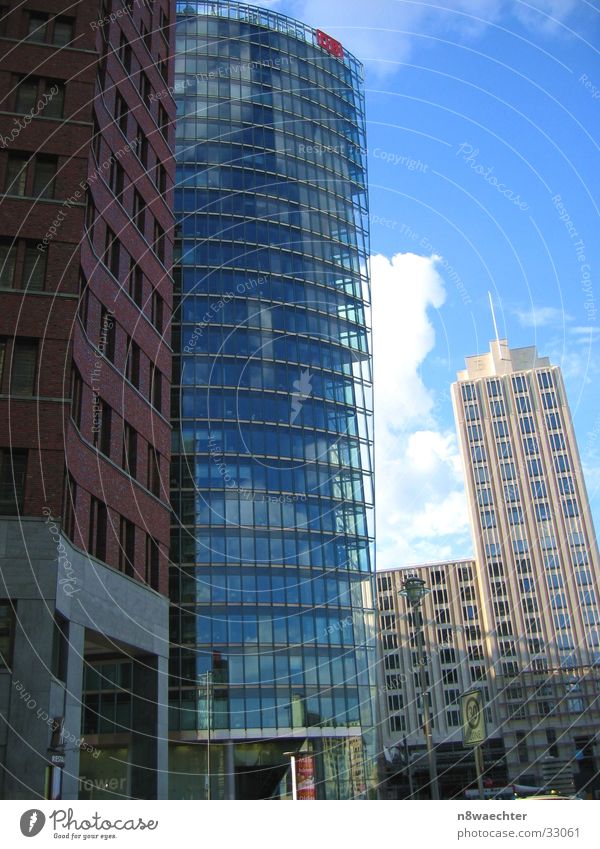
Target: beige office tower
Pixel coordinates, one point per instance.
(538, 567)
(456, 662)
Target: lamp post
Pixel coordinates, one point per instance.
(292, 756)
(414, 590)
(206, 677)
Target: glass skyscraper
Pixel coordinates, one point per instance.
(272, 474)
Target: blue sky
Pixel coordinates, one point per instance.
(483, 120)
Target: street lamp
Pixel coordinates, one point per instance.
(292, 756)
(414, 591)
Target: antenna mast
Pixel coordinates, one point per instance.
(494, 318)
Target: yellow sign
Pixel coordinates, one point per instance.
(472, 718)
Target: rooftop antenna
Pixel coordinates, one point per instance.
(494, 318)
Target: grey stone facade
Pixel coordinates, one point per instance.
(44, 575)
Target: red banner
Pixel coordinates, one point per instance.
(305, 777)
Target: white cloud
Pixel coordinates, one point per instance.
(421, 506)
(542, 316)
(383, 33)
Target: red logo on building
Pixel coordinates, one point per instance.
(330, 44)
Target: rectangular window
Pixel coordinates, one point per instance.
(53, 93)
(97, 530)
(8, 260)
(156, 388)
(145, 88)
(126, 546)
(24, 367)
(6, 634)
(132, 364)
(157, 311)
(70, 503)
(76, 396)
(34, 268)
(26, 95)
(64, 30)
(112, 252)
(16, 174)
(153, 471)
(44, 175)
(152, 560)
(101, 427)
(13, 470)
(159, 241)
(129, 459)
(139, 211)
(136, 284)
(37, 27)
(121, 113)
(108, 330)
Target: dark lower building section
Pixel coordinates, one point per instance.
(406, 774)
(83, 687)
(260, 769)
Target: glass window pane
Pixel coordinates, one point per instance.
(8, 254)
(26, 96)
(34, 269)
(43, 180)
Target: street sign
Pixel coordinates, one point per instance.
(472, 718)
(57, 759)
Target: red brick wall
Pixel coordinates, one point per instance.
(53, 316)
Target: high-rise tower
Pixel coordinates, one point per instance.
(272, 464)
(537, 555)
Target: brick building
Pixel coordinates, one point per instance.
(86, 176)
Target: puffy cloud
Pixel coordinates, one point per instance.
(542, 316)
(421, 512)
(383, 32)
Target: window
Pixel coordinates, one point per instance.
(44, 173)
(23, 367)
(37, 96)
(126, 546)
(64, 29)
(163, 120)
(13, 470)
(121, 113)
(397, 723)
(153, 471)
(97, 530)
(21, 265)
(106, 342)
(34, 268)
(570, 507)
(8, 259)
(160, 178)
(101, 426)
(16, 174)
(132, 364)
(391, 661)
(69, 502)
(76, 396)
(522, 747)
(139, 211)
(37, 27)
(145, 88)
(136, 284)
(538, 489)
(159, 241)
(152, 561)
(6, 634)
(112, 252)
(157, 311)
(156, 388)
(117, 179)
(390, 641)
(125, 52)
(129, 458)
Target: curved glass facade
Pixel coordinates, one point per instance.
(272, 459)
